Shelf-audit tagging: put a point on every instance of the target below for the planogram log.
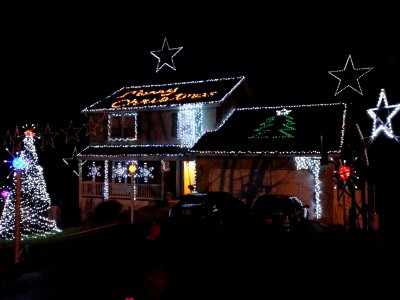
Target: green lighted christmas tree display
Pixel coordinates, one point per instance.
(280, 126)
(34, 198)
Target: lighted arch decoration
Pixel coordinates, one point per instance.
(313, 165)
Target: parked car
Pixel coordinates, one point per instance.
(219, 211)
(278, 213)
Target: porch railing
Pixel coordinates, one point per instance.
(121, 190)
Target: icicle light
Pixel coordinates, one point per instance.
(313, 165)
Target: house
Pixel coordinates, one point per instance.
(151, 127)
(207, 134)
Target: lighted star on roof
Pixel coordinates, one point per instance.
(349, 77)
(165, 56)
(382, 116)
(283, 111)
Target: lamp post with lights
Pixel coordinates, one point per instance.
(19, 165)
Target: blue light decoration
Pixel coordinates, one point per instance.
(145, 172)
(94, 171)
(18, 163)
(120, 171)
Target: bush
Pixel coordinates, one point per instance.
(108, 210)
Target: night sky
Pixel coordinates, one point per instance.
(57, 60)
(71, 58)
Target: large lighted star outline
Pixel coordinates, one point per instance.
(73, 161)
(380, 125)
(165, 56)
(346, 81)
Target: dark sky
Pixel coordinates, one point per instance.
(57, 60)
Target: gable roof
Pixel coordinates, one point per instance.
(293, 129)
(167, 95)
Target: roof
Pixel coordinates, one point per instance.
(167, 95)
(102, 152)
(293, 129)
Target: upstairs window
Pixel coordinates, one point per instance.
(174, 125)
(122, 127)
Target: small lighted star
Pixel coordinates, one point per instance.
(47, 137)
(71, 132)
(7, 139)
(16, 141)
(382, 116)
(165, 56)
(349, 77)
(283, 111)
(91, 127)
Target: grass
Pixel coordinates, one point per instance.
(65, 232)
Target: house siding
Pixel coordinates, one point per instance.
(248, 178)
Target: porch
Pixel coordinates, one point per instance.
(92, 194)
(120, 191)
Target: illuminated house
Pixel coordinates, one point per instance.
(208, 134)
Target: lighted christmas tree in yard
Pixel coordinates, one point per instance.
(34, 199)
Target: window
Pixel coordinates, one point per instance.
(174, 125)
(122, 126)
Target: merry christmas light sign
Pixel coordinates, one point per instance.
(142, 97)
(170, 94)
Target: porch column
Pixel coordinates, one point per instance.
(178, 179)
(106, 182)
(162, 182)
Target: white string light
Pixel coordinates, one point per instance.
(169, 94)
(35, 200)
(341, 76)
(380, 125)
(313, 165)
(166, 56)
(190, 120)
(274, 152)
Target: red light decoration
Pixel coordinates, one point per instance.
(29, 132)
(344, 172)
